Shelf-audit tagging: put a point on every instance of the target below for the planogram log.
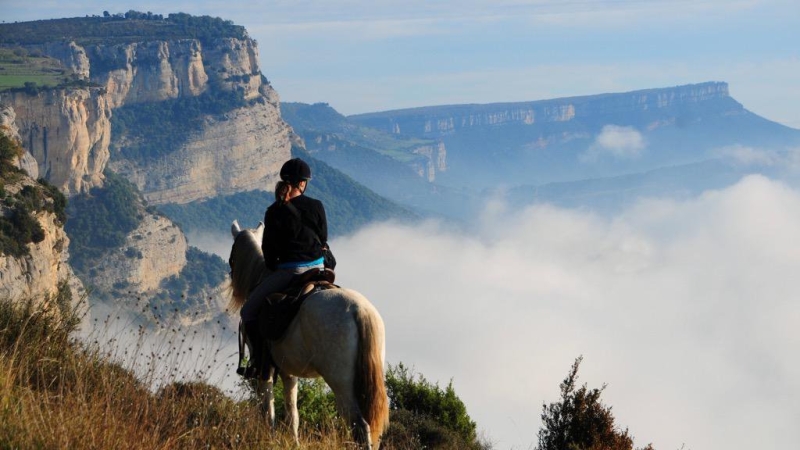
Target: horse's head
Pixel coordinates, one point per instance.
(246, 262)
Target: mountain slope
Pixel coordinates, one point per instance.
(399, 168)
(348, 204)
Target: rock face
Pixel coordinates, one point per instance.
(148, 71)
(156, 250)
(161, 70)
(435, 160)
(8, 126)
(71, 55)
(38, 274)
(67, 132)
(239, 152)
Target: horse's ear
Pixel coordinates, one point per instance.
(260, 226)
(235, 228)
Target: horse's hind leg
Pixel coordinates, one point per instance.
(349, 410)
(267, 393)
(290, 403)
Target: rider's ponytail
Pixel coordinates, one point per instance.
(282, 191)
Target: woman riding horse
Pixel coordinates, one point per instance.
(337, 334)
(295, 234)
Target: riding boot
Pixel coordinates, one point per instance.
(256, 342)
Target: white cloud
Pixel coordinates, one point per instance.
(616, 142)
(749, 156)
(685, 310)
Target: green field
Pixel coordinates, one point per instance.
(17, 67)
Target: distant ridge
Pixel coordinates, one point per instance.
(574, 138)
(427, 119)
(706, 90)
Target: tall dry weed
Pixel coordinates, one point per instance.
(57, 391)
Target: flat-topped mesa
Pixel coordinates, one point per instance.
(439, 120)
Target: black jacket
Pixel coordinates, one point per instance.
(292, 237)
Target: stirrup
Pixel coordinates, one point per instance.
(246, 370)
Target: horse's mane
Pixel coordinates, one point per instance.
(247, 266)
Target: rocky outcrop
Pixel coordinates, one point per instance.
(71, 55)
(240, 151)
(67, 132)
(37, 274)
(434, 161)
(161, 70)
(148, 71)
(156, 250)
(8, 126)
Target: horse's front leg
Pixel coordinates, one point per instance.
(290, 403)
(267, 393)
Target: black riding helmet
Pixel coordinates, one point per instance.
(295, 170)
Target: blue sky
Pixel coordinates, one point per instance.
(363, 56)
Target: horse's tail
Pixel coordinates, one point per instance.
(369, 382)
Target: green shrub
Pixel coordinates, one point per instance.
(580, 420)
(19, 229)
(316, 403)
(426, 415)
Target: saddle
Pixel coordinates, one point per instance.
(280, 308)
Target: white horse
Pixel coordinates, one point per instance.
(337, 334)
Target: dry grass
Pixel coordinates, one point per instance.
(57, 393)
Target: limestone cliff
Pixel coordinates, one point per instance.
(8, 126)
(434, 161)
(240, 151)
(67, 132)
(156, 250)
(37, 272)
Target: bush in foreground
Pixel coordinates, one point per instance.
(580, 421)
(426, 416)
